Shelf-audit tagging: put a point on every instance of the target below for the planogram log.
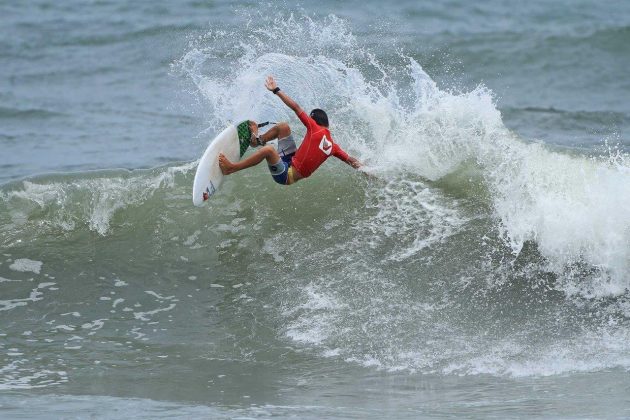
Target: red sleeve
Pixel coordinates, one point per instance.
(306, 120)
(339, 153)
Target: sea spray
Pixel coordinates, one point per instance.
(396, 118)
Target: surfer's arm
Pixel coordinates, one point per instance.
(340, 154)
(354, 162)
(273, 87)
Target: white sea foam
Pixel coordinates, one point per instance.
(95, 325)
(313, 317)
(145, 316)
(190, 241)
(413, 214)
(35, 295)
(574, 208)
(18, 375)
(26, 265)
(602, 349)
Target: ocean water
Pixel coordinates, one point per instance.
(482, 270)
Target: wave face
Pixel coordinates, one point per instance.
(468, 251)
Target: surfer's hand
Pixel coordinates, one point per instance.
(354, 163)
(270, 84)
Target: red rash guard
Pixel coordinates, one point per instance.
(316, 147)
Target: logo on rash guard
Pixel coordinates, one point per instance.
(325, 146)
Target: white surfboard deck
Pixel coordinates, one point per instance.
(208, 177)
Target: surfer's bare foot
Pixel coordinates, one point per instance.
(226, 166)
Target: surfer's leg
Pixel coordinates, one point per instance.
(266, 152)
(278, 131)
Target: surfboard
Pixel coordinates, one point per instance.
(232, 142)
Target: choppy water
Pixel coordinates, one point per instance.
(483, 271)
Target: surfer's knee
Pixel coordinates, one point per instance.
(283, 130)
(279, 131)
(269, 152)
(268, 149)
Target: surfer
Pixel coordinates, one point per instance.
(292, 163)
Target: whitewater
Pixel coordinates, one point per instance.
(471, 260)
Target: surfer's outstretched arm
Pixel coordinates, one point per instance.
(271, 84)
(354, 162)
(339, 153)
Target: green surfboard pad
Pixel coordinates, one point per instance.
(244, 136)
